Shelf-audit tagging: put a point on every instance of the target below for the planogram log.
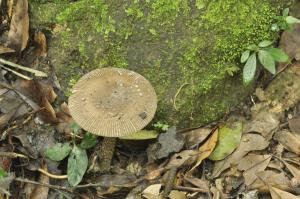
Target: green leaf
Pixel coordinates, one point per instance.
(245, 56)
(58, 151)
(291, 20)
(200, 4)
(249, 69)
(278, 54)
(2, 173)
(265, 43)
(252, 47)
(285, 12)
(229, 139)
(75, 127)
(77, 165)
(141, 135)
(267, 61)
(89, 140)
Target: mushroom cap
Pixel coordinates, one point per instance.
(113, 102)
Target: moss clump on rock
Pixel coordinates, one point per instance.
(190, 55)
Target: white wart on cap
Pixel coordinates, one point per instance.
(113, 102)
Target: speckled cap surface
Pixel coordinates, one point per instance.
(113, 102)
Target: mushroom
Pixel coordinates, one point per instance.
(112, 102)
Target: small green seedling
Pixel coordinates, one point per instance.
(2, 173)
(78, 160)
(284, 22)
(161, 126)
(267, 57)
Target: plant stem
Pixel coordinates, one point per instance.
(107, 149)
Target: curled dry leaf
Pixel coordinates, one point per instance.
(279, 194)
(186, 157)
(206, 149)
(249, 142)
(19, 27)
(289, 140)
(195, 137)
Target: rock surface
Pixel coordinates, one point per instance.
(189, 50)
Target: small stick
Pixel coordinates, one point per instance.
(52, 175)
(177, 93)
(16, 73)
(12, 155)
(190, 189)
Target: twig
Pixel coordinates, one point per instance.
(12, 155)
(30, 70)
(52, 175)
(176, 95)
(16, 73)
(190, 189)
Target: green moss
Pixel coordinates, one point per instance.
(188, 54)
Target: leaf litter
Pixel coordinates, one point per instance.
(246, 157)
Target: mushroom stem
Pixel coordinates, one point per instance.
(107, 149)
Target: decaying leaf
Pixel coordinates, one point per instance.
(270, 178)
(294, 124)
(264, 123)
(279, 194)
(228, 139)
(152, 192)
(19, 27)
(251, 165)
(289, 140)
(187, 157)
(290, 42)
(294, 170)
(199, 183)
(40, 40)
(206, 149)
(195, 137)
(249, 142)
(253, 194)
(174, 194)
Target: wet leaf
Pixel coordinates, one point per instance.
(77, 165)
(19, 27)
(279, 194)
(169, 142)
(249, 142)
(89, 140)
(267, 61)
(249, 69)
(229, 138)
(58, 152)
(206, 149)
(141, 135)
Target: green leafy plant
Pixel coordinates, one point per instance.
(284, 22)
(77, 160)
(267, 56)
(161, 126)
(2, 173)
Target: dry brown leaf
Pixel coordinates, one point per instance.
(152, 191)
(290, 42)
(195, 137)
(40, 40)
(252, 164)
(201, 184)
(279, 194)
(289, 140)
(294, 124)
(186, 157)
(19, 27)
(4, 49)
(270, 178)
(294, 170)
(249, 142)
(206, 149)
(41, 192)
(264, 123)
(174, 194)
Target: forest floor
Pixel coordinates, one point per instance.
(251, 153)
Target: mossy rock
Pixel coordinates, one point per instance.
(189, 50)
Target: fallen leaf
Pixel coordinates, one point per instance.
(290, 42)
(228, 139)
(205, 150)
(152, 191)
(125, 179)
(252, 164)
(270, 178)
(5, 183)
(279, 194)
(294, 170)
(289, 140)
(141, 135)
(253, 194)
(4, 49)
(264, 123)
(174, 194)
(294, 124)
(40, 40)
(19, 27)
(249, 142)
(194, 137)
(186, 157)
(201, 184)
